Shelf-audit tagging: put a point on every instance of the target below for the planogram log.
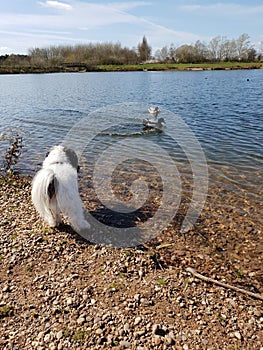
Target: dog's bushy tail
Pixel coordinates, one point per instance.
(43, 189)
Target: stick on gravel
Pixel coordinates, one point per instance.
(225, 285)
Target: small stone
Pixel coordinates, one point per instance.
(136, 297)
(137, 320)
(185, 347)
(6, 288)
(126, 327)
(126, 344)
(46, 337)
(183, 337)
(40, 335)
(99, 331)
(69, 301)
(237, 335)
(97, 319)
(59, 335)
(80, 320)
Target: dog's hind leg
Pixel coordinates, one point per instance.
(75, 212)
(55, 218)
(55, 211)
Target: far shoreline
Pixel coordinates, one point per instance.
(83, 68)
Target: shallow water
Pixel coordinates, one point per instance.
(223, 110)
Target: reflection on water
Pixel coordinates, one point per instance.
(223, 109)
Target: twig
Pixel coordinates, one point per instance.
(225, 285)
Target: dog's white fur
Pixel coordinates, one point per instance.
(55, 189)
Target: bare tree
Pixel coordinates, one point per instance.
(90, 54)
(185, 54)
(260, 53)
(216, 48)
(243, 47)
(163, 54)
(200, 54)
(172, 53)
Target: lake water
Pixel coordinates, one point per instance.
(222, 109)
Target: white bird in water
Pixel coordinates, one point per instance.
(153, 124)
(154, 110)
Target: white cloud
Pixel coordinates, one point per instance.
(56, 5)
(38, 35)
(229, 9)
(125, 6)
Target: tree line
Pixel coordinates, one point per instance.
(219, 49)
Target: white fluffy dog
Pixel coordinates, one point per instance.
(55, 189)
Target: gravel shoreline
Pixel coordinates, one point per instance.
(57, 291)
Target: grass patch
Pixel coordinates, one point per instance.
(162, 282)
(123, 275)
(28, 268)
(240, 272)
(66, 332)
(114, 286)
(6, 311)
(78, 336)
(99, 270)
(179, 66)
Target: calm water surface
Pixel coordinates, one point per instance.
(224, 109)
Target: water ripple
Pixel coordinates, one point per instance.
(223, 109)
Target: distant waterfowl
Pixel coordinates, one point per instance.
(153, 110)
(153, 124)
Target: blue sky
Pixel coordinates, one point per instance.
(26, 24)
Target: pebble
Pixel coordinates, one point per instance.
(81, 320)
(126, 344)
(97, 319)
(69, 301)
(59, 335)
(137, 320)
(47, 337)
(6, 288)
(139, 315)
(99, 331)
(40, 335)
(237, 335)
(126, 327)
